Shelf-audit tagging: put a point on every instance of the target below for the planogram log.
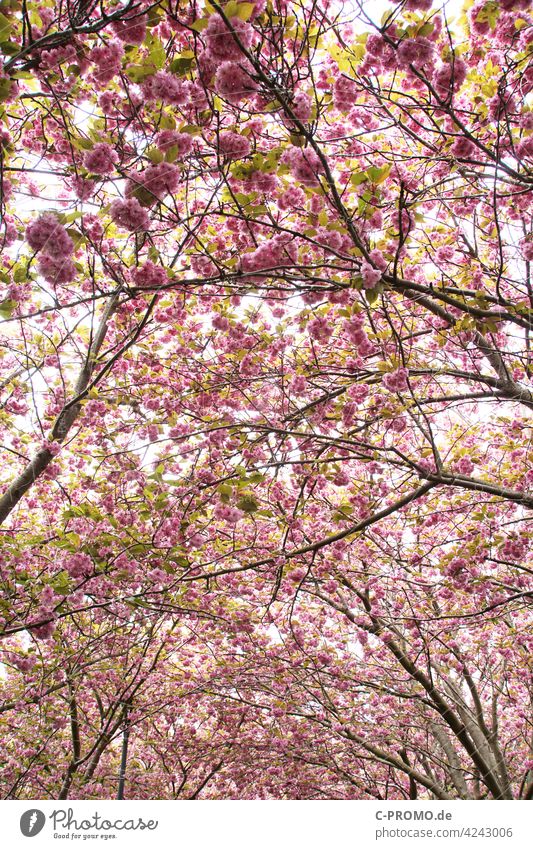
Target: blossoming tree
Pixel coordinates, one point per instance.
(266, 399)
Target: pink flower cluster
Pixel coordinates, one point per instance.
(130, 215)
(166, 88)
(456, 566)
(82, 188)
(305, 165)
(227, 513)
(45, 630)
(108, 61)
(298, 384)
(233, 145)
(513, 549)
(371, 276)
(356, 334)
(379, 54)
(301, 106)
(320, 329)
(378, 259)
(329, 238)
(464, 466)
(78, 565)
(526, 247)
(448, 74)
(345, 93)
(463, 148)
(46, 233)
(172, 138)
(419, 5)
(160, 180)
(524, 148)
(396, 381)
(292, 198)
(234, 81)
(416, 52)
(131, 30)
(149, 276)
(101, 159)
(221, 44)
(279, 251)
(48, 236)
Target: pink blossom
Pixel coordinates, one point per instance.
(260, 181)
(131, 30)
(320, 329)
(329, 238)
(234, 82)
(396, 381)
(447, 73)
(221, 44)
(45, 629)
(464, 466)
(233, 145)
(101, 159)
(419, 5)
(279, 251)
(526, 121)
(298, 384)
(345, 93)
(526, 247)
(524, 149)
(149, 275)
(463, 148)
(301, 106)
(160, 180)
(513, 549)
(57, 269)
(305, 165)
(171, 138)
(46, 232)
(378, 259)
(292, 198)
(82, 188)
(415, 51)
(371, 276)
(455, 566)
(166, 88)
(78, 565)
(130, 215)
(108, 61)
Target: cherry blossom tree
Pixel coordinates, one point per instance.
(266, 399)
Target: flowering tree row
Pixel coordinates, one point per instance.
(266, 399)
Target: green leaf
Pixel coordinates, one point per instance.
(358, 178)
(200, 24)
(6, 308)
(5, 88)
(248, 503)
(61, 583)
(5, 27)
(10, 48)
(181, 65)
(225, 490)
(158, 55)
(245, 11)
(138, 73)
(155, 155)
(377, 175)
